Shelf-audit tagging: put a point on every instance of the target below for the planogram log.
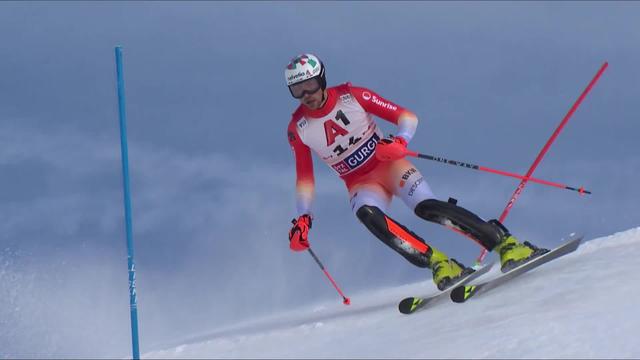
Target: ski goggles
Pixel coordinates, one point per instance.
(306, 87)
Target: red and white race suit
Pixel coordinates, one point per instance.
(344, 135)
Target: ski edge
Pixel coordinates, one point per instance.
(464, 292)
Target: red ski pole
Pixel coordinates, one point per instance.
(581, 190)
(345, 300)
(544, 150)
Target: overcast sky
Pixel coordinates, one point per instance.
(212, 173)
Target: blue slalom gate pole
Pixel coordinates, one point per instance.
(133, 302)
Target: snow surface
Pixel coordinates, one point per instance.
(584, 305)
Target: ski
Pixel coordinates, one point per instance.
(464, 292)
(413, 304)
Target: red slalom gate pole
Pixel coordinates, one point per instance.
(345, 300)
(544, 150)
(581, 190)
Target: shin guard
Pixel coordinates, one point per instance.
(488, 234)
(396, 236)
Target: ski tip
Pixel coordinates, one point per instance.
(578, 237)
(409, 305)
(462, 293)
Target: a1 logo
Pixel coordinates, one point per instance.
(333, 130)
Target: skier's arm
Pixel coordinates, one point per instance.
(407, 124)
(373, 103)
(304, 171)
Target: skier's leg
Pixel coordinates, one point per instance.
(409, 185)
(369, 203)
(368, 206)
(447, 213)
(491, 234)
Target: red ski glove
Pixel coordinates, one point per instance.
(298, 235)
(390, 149)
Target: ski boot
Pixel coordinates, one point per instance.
(446, 271)
(512, 252)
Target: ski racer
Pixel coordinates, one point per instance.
(337, 124)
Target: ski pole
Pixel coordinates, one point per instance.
(546, 147)
(345, 300)
(581, 190)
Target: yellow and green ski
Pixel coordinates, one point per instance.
(413, 304)
(462, 293)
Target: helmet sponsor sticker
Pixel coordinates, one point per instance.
(358, 157)
(296, 76)
(301, 59)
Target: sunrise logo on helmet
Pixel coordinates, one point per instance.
(358, 157)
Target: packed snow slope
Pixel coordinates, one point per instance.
(584, 305)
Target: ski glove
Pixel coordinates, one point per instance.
(390, 149)
(298, 235)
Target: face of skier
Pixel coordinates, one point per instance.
(314, 100)
(309, 92)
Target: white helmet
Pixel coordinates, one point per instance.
(304, 67)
